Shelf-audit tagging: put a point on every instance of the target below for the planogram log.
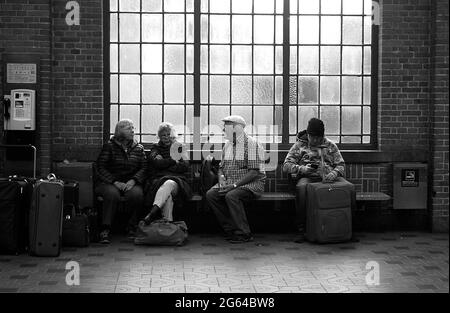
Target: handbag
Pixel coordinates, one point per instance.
(161, 232)
(75, 230)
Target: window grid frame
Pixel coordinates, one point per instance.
(285, 75)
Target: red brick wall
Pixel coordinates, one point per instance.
(413, 87)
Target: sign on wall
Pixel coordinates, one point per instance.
(21, 73)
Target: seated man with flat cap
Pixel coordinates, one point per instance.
(241, 178)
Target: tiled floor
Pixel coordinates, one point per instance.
(408, 262)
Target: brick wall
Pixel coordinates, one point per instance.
(413, 88)
(439, 141)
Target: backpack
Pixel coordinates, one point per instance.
(208, 175)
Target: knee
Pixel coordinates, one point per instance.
(136, 193)
(170, 184)
(231, 197)
(110, 193)
(211, 194)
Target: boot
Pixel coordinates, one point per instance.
(154, 214)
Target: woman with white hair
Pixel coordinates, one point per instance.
(121, 171)
(168, 164)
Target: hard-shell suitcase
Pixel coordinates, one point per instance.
(15, 197)
(329, 211)
(46, 215)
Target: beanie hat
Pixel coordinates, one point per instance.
(315, 127)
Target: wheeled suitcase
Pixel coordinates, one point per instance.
(46, 215)
(15, 197)
(329, 211)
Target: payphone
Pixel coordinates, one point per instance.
(20, 110)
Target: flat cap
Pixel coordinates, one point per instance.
(236, 119)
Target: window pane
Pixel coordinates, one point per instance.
(174, 58)
(366, 120)
(293, 6)
(308, 62)
(219, 28)
(350, 139)
(263, 59)
(263, 117)
(204, 28)
(114, 88)
(113, 28)
(329, 90)
(308, 27)
(308, 88)
(331, 118)
(174, 5)
(131, 112)
(152, 88)
(278, 90)
(175, 115)
(367, 60)
(129, 5)
(112, 5)
(351, 120)
(331, 6)
(222, 6)
(352, 6)
(292, 120)
(217, 113)
(245, 112)
(151, 118)
(152, 58)
(113, 117)
(174, 28)
(293, 60)
(352, 32)
(367, 30)
(189, 59)
(351, 90)
(367, 91)
(278, 60)
(189, 5)
(203, 59)
(152, 27)
(264, 6)
(241, 89)
(189, 89)
(220, 59)
(173, 88)
(304, 115)
(242, 29)
(264, 31)
(242, 6)
(129, 27)
(279, 30)
(151, 5)
(293, 30)
(113, 58)
(330, 31)
(308, 7)
(351, 60)
(129, 58)
(204, 89)
(190, 28)
(330, 59)
(242, 60)
(130, 89)
(219, 89)
(263, 90)
(293, 90)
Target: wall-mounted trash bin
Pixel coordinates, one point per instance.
(410, 186)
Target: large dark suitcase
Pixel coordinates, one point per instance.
(329, 211)
(15, 197)
(46, 215)
(75, 228)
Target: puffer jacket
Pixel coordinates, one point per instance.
(116, 163)
(302, 154)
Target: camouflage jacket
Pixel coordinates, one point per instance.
(302, 154)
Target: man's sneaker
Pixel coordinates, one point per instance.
(241, 238)
(105, 237)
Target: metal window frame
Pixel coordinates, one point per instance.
(285, 145)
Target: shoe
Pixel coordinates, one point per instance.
(300, 238)
(229, 235)
(241, 238)
(105, 237)
(154, 214)
(131, 234)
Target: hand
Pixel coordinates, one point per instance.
(222, 181)
(306, 169)
(225, 189)
(158, 157)
(331, 177)
(119, 185)
(130, 184)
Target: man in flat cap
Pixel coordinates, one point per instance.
(241, 178)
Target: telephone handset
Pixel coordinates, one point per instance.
(6, 107)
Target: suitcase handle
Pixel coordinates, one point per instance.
(25, 146)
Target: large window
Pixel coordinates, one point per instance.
(275, 62)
